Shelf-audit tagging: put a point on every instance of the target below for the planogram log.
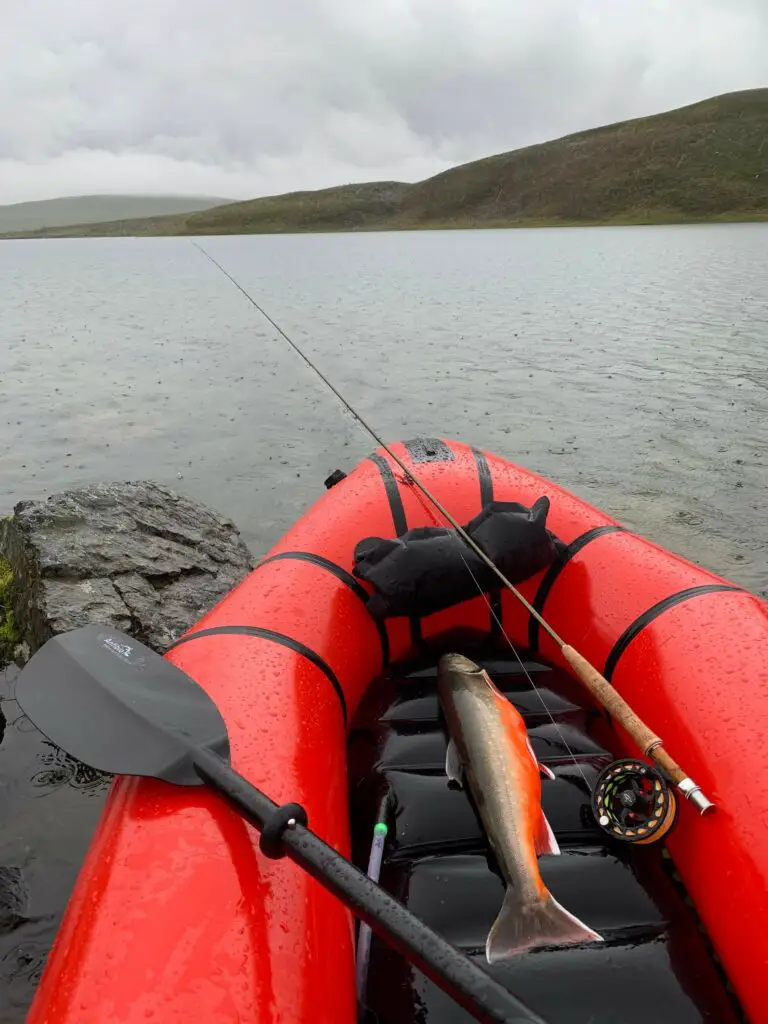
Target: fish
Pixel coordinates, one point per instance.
(489, 750)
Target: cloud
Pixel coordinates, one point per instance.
(253, 97)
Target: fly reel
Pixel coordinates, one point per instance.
(632, 802)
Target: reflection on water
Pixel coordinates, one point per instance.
(62, 770)
(49, 805)
(628, 364)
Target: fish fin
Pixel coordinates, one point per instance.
(543, 769)
(453, 768)
(530, 748)
(544, 840)
(521, 926)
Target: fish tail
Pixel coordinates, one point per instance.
(523, 925)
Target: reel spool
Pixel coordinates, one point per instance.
(632, 802)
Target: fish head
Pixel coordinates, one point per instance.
(455, 674)
(457, 663)
(459, 677)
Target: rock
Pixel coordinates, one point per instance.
(136, 556)
(8, 634)
(14, 897)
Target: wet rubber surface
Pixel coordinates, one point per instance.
(654, 964)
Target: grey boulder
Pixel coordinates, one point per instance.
(136, 556)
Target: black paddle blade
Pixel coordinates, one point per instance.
(116, 705)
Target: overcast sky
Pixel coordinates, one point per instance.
(250, 97)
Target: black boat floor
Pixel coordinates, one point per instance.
(655, 965)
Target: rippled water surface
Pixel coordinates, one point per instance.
(629, 364)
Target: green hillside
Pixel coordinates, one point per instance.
(54, 213)
(708, 161)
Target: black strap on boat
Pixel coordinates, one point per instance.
(393, 493)
(341, 574)
(484, 476)
(654, 612)
(277, 638)
(486, 496)
(400, 522)
(553, 572)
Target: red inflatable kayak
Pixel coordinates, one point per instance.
(177, 917)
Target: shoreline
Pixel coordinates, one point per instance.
(85, 231)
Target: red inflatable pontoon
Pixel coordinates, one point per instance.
(178, 918)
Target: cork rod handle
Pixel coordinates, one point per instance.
(614, 704)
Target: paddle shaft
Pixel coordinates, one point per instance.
(441, 962)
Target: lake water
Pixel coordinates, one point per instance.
(628, 364)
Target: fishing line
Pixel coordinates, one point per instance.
(379, 440)
(353, 413)
(514, 650)
(448, 517)
(528, 675)
(650, 743)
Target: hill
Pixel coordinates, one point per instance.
(343, 208)
(707, 161)
(702, 162)
(54, 213)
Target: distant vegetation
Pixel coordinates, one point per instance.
(56, 213)
(708, 161)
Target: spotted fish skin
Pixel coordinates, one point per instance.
(489, 749)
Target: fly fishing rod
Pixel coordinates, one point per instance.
(646, 739)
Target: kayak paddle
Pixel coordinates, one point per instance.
(119, 707)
